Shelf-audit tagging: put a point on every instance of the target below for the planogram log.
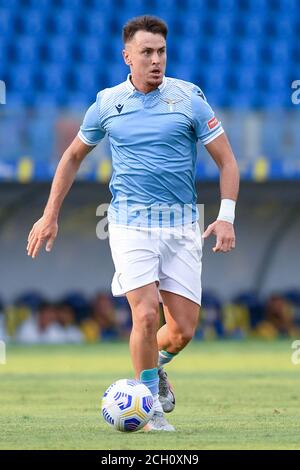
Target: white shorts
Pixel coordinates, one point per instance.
(170, 256)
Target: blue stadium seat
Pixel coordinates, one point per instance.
(272, 99)
(95, 25)
(40, 4)
(6, 22)
(218, 52)
(192, 27)
(215, 80)
(243, 78)
(221, 44)
(240, 99)
(116, 73)
(252, 26)
(296, 55)
(4, 51)
(26, 50)
(172, 51)
(220, 26)
(32, 23)
(79, 100)
(192, 6)
(17, 101)
(284, 6)
(225, 6)
(181, 71)
(22, 79)
(187, 52)
(52, 77)
(255, 6)
(103, 6)
(136, 7)
(85, 79)
(90, 50)
(49, 101)
(63, 21)
(278, 52)
(116, 22)
(166, 8)
(276, 78)
(4, 66)
(281, 26)
(58, 49)
(71, 4)
(217, 98)
(11, 4)
(246, 51)
(174, 29)
(112, 49)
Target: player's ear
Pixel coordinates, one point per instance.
(126, 56)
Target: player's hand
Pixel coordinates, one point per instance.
(224, 231)
(43, 231)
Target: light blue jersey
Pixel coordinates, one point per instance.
(153, 142)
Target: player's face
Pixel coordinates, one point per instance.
(146, 56)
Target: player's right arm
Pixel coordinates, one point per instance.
(46, 228)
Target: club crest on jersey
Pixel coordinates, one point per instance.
(171, 103)
(119, 107)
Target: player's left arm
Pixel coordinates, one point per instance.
(220, 150)
(211, 133)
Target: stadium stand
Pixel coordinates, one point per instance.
(57, 54)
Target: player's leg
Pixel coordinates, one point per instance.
(136, 259)
(144, 304)
(180, 288)
(181, 315)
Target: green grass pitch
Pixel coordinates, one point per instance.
(230, 395)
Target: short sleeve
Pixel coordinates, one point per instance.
(91, 131)
(206, 125)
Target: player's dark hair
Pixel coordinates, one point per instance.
(152, 24)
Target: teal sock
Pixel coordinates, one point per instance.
(164, 357)
(149, 377)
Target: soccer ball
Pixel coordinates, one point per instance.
(127, 405)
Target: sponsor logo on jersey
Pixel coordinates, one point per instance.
(213, 122)
(119, 107)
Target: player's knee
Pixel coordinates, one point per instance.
(146, 319)
(182, 338)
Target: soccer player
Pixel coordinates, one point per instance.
(153, 123)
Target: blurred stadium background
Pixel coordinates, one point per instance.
(54, 57)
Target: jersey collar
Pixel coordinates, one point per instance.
(131, 87)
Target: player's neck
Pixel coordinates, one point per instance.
(141, 87)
